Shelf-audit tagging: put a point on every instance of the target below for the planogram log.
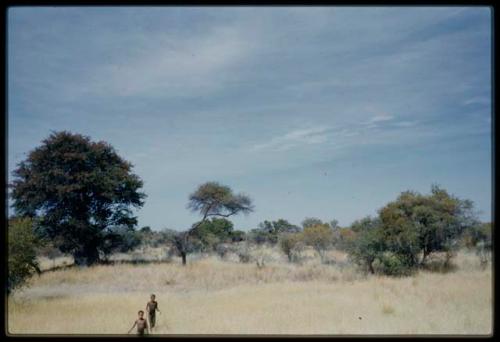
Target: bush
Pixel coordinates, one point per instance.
(394, 265)
(291, 244)
(320, 237)
(365, 243)
(22, 244)
(243, 253)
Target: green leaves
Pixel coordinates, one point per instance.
(214, 199)
(78, 187)
(22, 243)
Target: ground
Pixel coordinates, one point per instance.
(213, 296)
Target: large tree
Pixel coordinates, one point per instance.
(79, 189)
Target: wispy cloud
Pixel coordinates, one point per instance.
(381, 118)
(295, 138)
(182, 91)
(481, 100)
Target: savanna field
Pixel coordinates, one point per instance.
(213, 295)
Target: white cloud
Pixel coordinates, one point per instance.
(294, 138)
(381, 118)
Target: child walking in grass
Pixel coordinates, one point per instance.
(141, 323)
(151, 308)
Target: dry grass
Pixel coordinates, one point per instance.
(211, 296)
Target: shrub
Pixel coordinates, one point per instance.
(365, 243)
(320, 237)
(394, 265)
(291, 244)
(22, 243)
(416, 224)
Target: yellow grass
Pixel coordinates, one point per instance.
(211, 296)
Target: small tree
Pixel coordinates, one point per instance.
(320, 237)
(482, 242)
(364, 244)
(210, 199)
(182, 244)
(416, 224)
(22, 244)
(291, 244)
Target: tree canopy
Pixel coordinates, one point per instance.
(214, 199)
(78, 188)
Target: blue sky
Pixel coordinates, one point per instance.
(327, 112)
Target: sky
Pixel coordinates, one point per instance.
(325, 112)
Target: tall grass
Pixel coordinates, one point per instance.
(211, 296)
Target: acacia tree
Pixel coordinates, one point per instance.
(78, 189)
(210, 200)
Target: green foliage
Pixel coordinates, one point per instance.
(311, 221)
(213, 232)
(78, 189)
(238, 235)
(291, 244)
(416, 224)
(480, 233)
(261, 236)
(182, 243)
(343, 238)
(269, 231)
(480, 239)
(22, 245)
(320, 237)
(334, 224)
(214, 199)
(394, 265)
(145, 229)
(365, 244)
(408, 230)
(121, 239)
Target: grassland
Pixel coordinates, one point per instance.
(213, 296)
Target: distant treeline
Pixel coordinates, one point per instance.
(75, 196)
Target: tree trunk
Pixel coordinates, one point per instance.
(183, 255)
(424, 257)
(370, 267)
(87, 256)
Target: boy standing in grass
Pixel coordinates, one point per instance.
(142, 324)
(151, 308)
